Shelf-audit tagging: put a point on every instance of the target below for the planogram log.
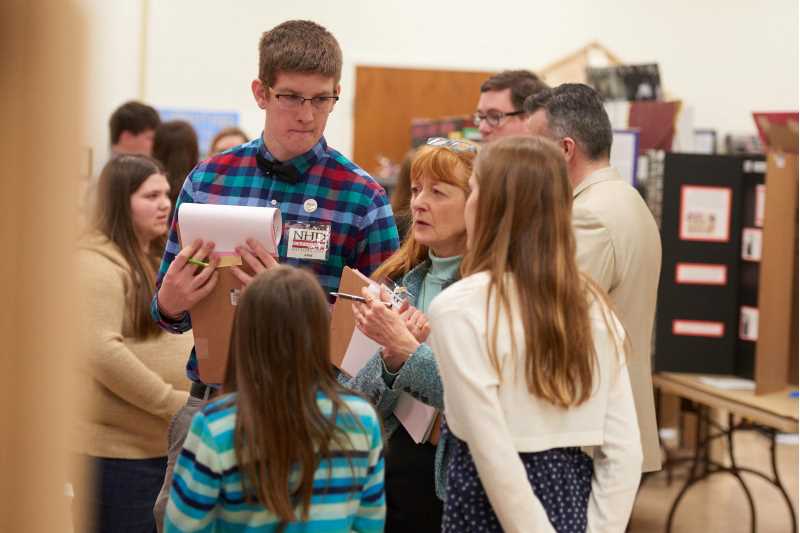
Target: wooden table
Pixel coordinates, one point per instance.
(767, 414)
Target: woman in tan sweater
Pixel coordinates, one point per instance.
(134, 371)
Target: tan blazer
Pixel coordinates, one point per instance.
(619, 246)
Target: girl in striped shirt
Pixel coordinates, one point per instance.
(289, 450)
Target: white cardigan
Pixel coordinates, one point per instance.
(498, 417)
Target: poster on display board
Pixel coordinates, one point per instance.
(748, 323)
(705, 213)
(701, 274)
(698, 328)
(751, 244)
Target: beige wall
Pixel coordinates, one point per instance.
(41, 94)
(724, 58)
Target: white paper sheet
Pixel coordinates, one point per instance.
(748, 323)
(625, 154)
(229, 226)
(360, 349)
(729, 383)
(415, 416)
(752, 239)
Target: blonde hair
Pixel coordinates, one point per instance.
(439, 163)
(523, 228)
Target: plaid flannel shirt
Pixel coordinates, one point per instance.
(363, 232)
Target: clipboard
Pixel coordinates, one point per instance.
(212, 320)
(343, 328)
(212, 324)
(343, 323)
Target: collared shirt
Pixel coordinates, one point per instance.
(363, 232)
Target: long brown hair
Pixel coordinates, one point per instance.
(119, 179)
(175, 146)
(441, 164)
(523, 227)
(278, 363)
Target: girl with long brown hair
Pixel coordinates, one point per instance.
(134, 371)
(532, 361)
(288, 447)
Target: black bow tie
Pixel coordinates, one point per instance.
(283, 171)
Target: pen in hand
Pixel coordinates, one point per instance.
(355, 298)
(197, 262)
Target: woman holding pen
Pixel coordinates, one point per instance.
(134, 372)
(427, 262)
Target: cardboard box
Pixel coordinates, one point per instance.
(776, 348)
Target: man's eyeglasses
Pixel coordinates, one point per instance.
(290, 101)
(453, 144)
(493, 118)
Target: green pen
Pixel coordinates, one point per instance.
(197, 262)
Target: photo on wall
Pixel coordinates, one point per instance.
(626, 82)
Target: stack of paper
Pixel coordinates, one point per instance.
(727, 383)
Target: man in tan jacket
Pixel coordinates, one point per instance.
(617, 240)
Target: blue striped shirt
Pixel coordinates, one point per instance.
(207, 494)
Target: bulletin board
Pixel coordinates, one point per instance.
(706, 287)
(387, 99)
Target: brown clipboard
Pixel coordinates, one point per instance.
(212, 320)
(342, 320)
(212, 323)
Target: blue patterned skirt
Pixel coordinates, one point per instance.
(561, 478)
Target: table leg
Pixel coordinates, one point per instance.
(703, 467)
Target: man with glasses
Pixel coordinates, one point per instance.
(291, 167)
(500, 112)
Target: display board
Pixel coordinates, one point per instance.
(700, 293)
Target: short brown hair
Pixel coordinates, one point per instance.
(175, 147)
(522, 83)
(134, 117)
(299, 46)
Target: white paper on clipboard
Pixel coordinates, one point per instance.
(229, 226)
(415, 416)
(359, 351)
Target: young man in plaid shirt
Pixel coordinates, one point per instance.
(291, 167)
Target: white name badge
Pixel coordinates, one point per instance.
(308, 241)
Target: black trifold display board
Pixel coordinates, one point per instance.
(708, 200)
